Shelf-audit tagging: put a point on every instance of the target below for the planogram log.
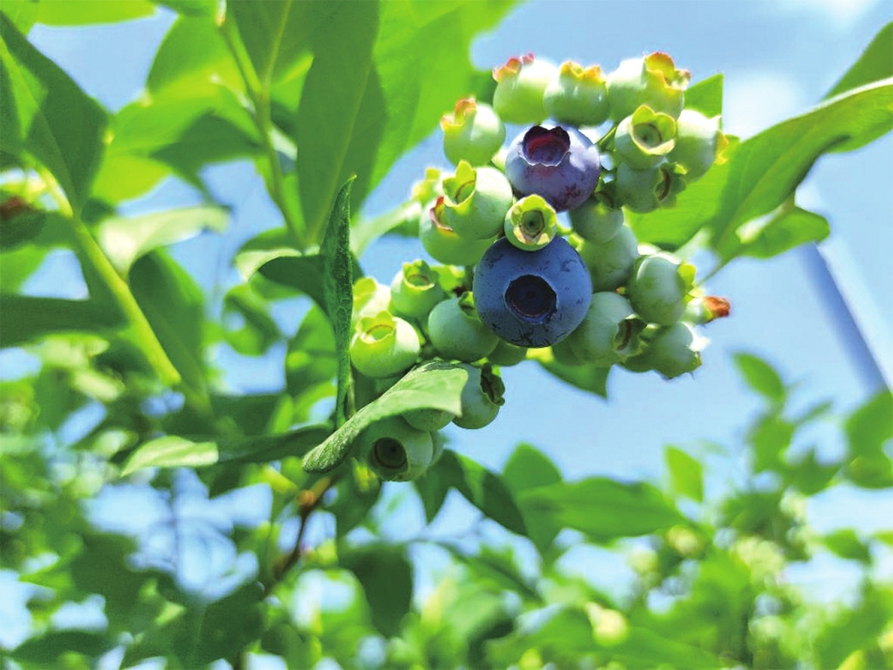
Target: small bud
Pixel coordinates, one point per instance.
(457, 331)
(415, 290)
(577, 96)
(520, 85)
(652, 80)
(706, 309)
(384, 345)
(443, 243)
(643, 139)
(531, 223)
(472, 133)
(394, 450)
(476, 201)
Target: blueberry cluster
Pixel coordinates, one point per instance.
(536, 257)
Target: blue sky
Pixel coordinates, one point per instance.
(779, 58)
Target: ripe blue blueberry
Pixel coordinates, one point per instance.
(561, 164)
(532, 298)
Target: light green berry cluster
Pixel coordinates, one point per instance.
(615, 143)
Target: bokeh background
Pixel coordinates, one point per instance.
(822, 316)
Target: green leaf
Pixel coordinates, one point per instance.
(173, 305)
(482, 488)
(790, 228)
(433, 384)
(766, 169)
(770, 436)
(386, 577)
(810, 476)
(686, 473)
(365, 232)
(311, 357)
(191, 7)
(761, 377)
(174, 451)
(874, 64)
(855, 627)
(706, 96)
(258, 330)
(868, 430)
(124, 240)
(846, 544)
(337, 285)
(46, 115)
(586, 377)
(26, 319)
(47, 649)
(528, 468)
(23, 13)
(81, 12)
(603, 509)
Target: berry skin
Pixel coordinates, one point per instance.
(611, 263)
(645, 138)
(646, 190)
(457, 332)
(506, 355)
(472, 133)
(481, 398)
(652, 80)
(384, 345)
(532, 298)
(415, 290)
(673, 351)
(699, 143)
(657, 288)
(608, 333)
(577, 96)
(428, 419)
(560, 164)
(530, 223)
(476, 201)
(369, 298)
(443, 243)
(394, 450)
(520, 85)
(596, 220)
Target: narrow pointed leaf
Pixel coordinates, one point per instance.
(873, 65)
(27, 319)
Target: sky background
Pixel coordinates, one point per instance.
(779, 58)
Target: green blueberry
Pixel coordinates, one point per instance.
(643, 139)
(507, 354)
(428, 419)
(658, 287)
(596, 220)
(673, 351)
(577, 96)
(531, 223)
(699, 143)
(482, 396)
(369, 298)
(608, 333)
(520, 86)
(384, 345)
(457, 332)
(476, 201)
(442, 242)
(646, 190)
(415, 290)
(394, 450)
(651, 80)
(472, 133)
(610, 263)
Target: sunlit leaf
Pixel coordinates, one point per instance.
(61, 13)
(846, 544)
(874, 64)
(431, 385)
(585, 376)
(26, 318)
(869, 429)
(47, 649)
(527, 468)
(686, 473)
(706, 96)
(46, 115)
(760, 376)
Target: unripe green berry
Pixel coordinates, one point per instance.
(646, 190)
(384, 345)
(699, 143)
(531, 223)
(675, 350)
(658, 287)
(457, 332)
(481, 398)
(577, 96)
(610, 263)
(428, 419)
(609, 332)
(369, 298)
(394, 450)
(520, 85)
(596, 220)
(442, 242)
(415, 290)
(507, 354)
(643, 139)
(472, 133)
(652, 80)
(476, 201)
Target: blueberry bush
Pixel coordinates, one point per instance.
(563, 230)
